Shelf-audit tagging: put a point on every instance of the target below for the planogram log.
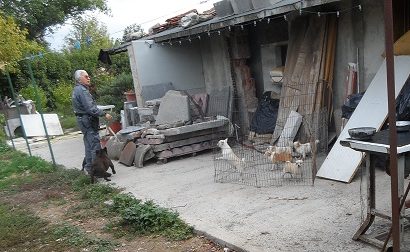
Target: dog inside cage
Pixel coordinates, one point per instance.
(288, 155)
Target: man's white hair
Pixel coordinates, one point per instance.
(78, 74)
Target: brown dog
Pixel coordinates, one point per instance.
(100, 166)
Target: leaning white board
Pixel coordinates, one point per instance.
(342, 162)
(33, 125)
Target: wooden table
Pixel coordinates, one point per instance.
(379, 144)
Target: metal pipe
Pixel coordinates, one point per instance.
(40, 109)
(8, 129)
(18, 110)
(395, 198)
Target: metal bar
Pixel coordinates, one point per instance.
(395, 198)
(40, 109)
(377, 213)
(8, 128)
(403, 201)
(18, 110)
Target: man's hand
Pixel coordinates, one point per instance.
(108, 117)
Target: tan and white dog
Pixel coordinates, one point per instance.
(292, 168)
(304, 149)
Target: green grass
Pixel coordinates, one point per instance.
(19, 172)
(15, 162)
(18, 227)
(148, 218)
(75, 237)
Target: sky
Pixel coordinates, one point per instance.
(127, 12)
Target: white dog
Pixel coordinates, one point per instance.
(292, 168)
(229, 155)
(303, 149)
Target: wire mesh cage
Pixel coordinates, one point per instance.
(287, 156)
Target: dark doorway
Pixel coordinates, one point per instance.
(401, 17)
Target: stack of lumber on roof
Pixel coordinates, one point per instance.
(308, 74)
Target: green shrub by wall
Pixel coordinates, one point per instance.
(28, 93)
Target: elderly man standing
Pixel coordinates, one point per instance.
(87, 114)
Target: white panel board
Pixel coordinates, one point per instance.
(342, 162)
(33, 126)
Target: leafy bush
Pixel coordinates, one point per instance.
(109, 94)
(2, 124)
(74, 236)
(29, 94)
(98, 192)
(62, 97)
(68, 122)
(148, 218)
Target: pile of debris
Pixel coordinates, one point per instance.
(174, 125)
(184, 20)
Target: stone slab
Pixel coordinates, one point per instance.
(189, 141)
(174, 107)
(150, 141)
(114, 148)
(140, 153)
(195, 127)
(128, 154)
(290, 129)
(150, 92)
(131, 129)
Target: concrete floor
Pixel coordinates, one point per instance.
(323, 218)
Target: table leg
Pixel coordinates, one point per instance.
(371, 198)
(400, 169)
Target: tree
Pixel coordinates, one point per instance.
(39, 16)
(88, 32)
(133, 31)
(13, 42)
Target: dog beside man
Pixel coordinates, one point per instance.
(87, 114)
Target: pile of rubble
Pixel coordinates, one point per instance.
(175, 125)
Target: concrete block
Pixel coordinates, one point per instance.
(127, 113)
(147, 118)
(146, 111)
(135, 119)
(153, 102)
(13, 125)
(241, 6)
(174, 107)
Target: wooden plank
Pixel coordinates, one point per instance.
(290, 89)
(342, 162)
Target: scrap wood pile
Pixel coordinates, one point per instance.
(166, 132)
(184, 20)
(307, 81)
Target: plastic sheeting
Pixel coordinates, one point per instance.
(264, 120)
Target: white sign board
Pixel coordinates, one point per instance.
(33, 125)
